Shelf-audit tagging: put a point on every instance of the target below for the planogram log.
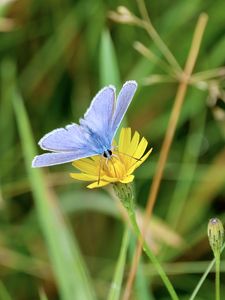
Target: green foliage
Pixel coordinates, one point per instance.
(64, 254)
(55, 55)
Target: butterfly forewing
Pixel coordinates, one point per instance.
(123, 101)
(98, 117)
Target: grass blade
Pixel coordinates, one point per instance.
(114, 293)
(42, 294)
(64, 254)
(109, 72)
(4, 295)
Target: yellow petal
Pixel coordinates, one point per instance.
(127, 146)
(84, 177)
(134, 143)
(127, 179)
(85, 165)
(96, 158)
(141, 148)
(138, 163)
(124, 140)
(97, 184)
(109, 178)
(93, 165)
(146, 155)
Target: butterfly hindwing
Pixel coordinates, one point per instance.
(70, 138)
(67, 144)
(50, 159)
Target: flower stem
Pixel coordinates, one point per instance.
(217, 280)
(152, 257)
(125, 193)
(197, 288)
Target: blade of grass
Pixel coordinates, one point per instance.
(142, 283)
(109, 73)
(182, 188)
(114, 293)
(108, 66)
(67, 262)
(13, 260)
(42, 294)
(6, 112)
(203, 194)
(53, 49)
(4, 294)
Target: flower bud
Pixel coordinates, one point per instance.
(215, 235)
(125, 193)
(123, 15)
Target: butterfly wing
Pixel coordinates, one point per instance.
(95, 132)
(97, 119)
(70, 138)
(123, 101)
(68, 144)
(50, 159)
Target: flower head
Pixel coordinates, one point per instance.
(126, 157)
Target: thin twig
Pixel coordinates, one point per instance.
(181, 91)
(209, 74)
(143, 50)
(147, 24)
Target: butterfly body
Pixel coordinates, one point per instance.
(100, 144)
(94, 133)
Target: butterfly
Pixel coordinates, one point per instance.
(95, 132)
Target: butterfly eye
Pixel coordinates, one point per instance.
(107, 153)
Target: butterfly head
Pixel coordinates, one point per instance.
(107, 153)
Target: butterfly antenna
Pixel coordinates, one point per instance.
(137, 159)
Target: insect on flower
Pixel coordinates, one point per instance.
(94, 135)
(127, 156)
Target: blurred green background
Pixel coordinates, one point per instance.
(59, 240)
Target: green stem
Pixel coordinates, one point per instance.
(147, 24)
(202, 280)
(126, 195)
(152, 257)
(114, 293)
(197, 288)
(217, 280)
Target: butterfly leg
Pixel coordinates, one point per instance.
(114, 167)
(99, 171)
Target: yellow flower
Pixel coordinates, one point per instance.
(126, 157)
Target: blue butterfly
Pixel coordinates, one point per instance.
(94, 134)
